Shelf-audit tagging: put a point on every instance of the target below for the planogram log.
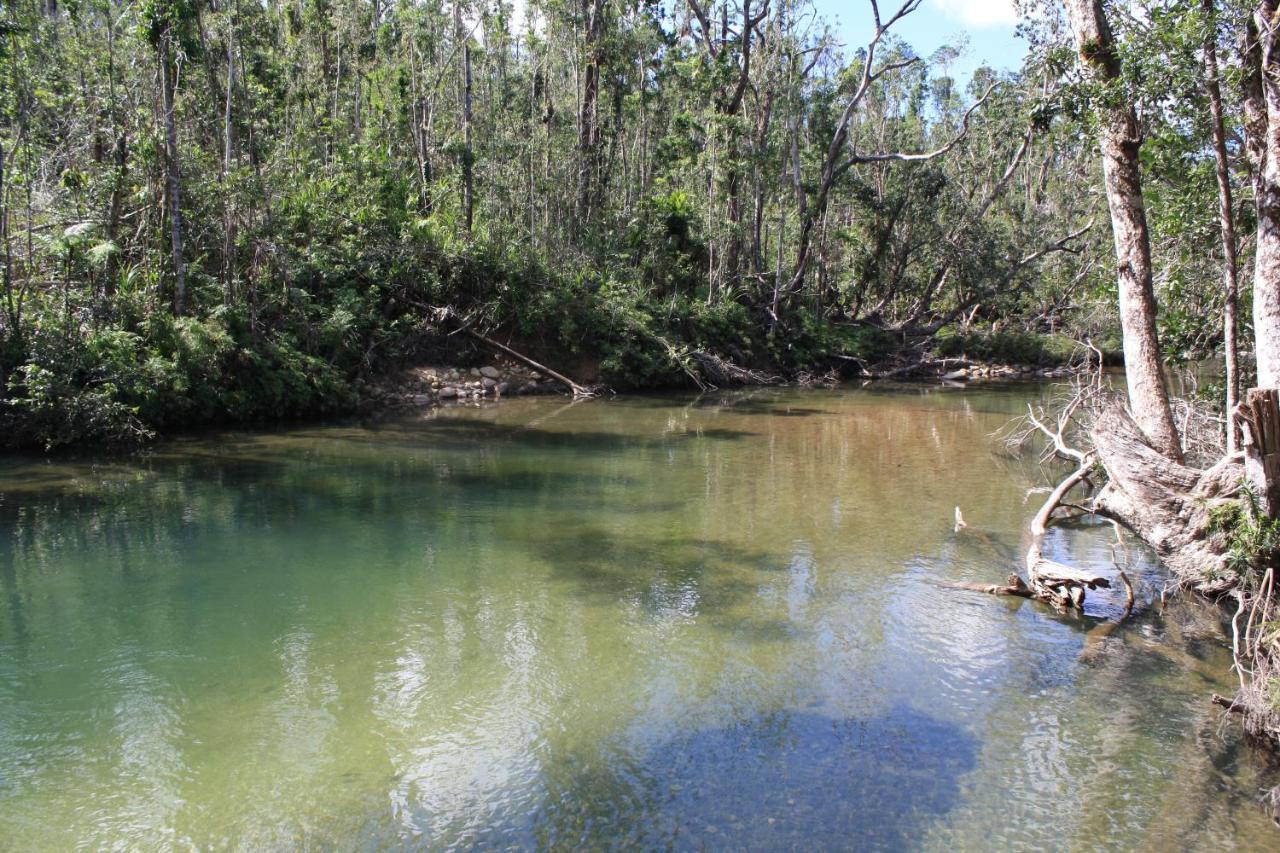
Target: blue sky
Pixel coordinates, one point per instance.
(987, 25)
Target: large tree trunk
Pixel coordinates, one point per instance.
(1226, 223)
(1120, 142)
(1266, 275)
(1167, 504)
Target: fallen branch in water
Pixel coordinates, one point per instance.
(1014, 586)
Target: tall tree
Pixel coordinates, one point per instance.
(1121, 141)
(1262, 104)
(165, 18)
(1226, 218)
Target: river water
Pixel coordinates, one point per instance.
(653, 622)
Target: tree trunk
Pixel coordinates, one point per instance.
(1266, 275)
(172, 181)
(1120, 142)
(1168, 505)
(462, 39)
(468, 158)
(1226, 224)
(228, 146)
(1260, 417)
(588, 113)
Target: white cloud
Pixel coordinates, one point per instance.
(979, 13)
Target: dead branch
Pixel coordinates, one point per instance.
(725, 373)
(578, 390)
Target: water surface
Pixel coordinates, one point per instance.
(660, 622)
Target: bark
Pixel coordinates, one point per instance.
(1167, 504)
(1266, 281)
(173, 184)
(1226, 224)
(1120, 142)
(588, 113)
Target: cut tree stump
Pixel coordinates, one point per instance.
(1259, 414)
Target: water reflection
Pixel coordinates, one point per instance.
(709, 622)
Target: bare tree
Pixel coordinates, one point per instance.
(837, 160)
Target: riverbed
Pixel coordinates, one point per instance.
(679, 622)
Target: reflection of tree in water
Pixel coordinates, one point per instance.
(1158, 766)
(587, 601)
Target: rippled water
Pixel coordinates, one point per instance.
(639, 622)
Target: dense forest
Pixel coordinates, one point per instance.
(225, 211)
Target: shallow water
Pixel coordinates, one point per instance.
(639, 622)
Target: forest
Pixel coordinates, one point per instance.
(226, 212)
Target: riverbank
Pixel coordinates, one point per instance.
(425, 386)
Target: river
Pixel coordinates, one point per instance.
(652, 621)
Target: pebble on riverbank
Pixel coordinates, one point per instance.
(1009, 371)
(422, 387)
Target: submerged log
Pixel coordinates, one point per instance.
(1061, 585)
(1014, 586)
(1167, 504)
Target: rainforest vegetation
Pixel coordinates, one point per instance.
(216, 211)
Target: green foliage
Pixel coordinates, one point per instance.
(324, 160)
(1253, 537)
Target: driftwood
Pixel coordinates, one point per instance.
(578, 390)
(722, 373)
(1014, 586)
(1059, 584)
(448, 315)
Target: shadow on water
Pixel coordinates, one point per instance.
(450, 433)
(790, 779)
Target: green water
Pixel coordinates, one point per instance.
(638, 622)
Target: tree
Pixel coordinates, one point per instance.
(165, 17)
(1262, 105)
(1121, 140)
(1226, 219)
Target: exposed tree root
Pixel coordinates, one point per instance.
(1167, 504)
